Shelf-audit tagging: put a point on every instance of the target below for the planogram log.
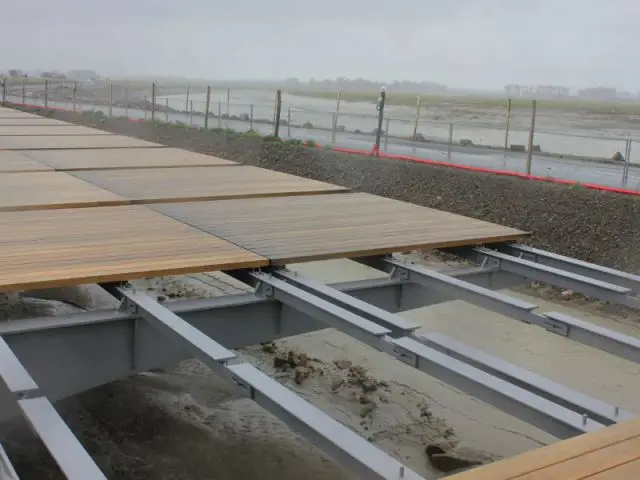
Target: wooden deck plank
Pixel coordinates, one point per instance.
(554, 454)
(121, 158)
(10, 113)
(43, 249)
(627, 471)
(49, 130)
(33, 121)
(320, 227)
(161, 185)
(51, 142)
(591, 463)
(16, 162)
(51, 190)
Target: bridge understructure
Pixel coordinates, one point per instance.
(46, 359)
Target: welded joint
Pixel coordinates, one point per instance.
(400, 273)
(265, 290)
(247, 389)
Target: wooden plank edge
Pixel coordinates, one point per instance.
(553, 454)
(131, 275)
(143, 167)
(65, 206)
(389, 250)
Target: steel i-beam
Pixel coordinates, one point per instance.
(559, 421)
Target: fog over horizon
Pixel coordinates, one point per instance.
(462, 43)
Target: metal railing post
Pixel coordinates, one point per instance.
(206, 109)
(417, 122)
(74, 94)
(627, 161)
(381, 102)
(532, 132)
(153, 102)
(506, 133)
(276, 128)
(110, 100)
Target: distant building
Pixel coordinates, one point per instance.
(598, 93)
(82, 75)
(537, 91)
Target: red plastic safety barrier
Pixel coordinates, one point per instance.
(508, 173)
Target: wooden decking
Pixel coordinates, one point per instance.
(50, 130)
(32, 121)
(122, 158)
(51, 190)
(38, 142)
(161, 185)
(612, 453)
(46, 248)
(16, 162)
(318, 227)
(236, 216)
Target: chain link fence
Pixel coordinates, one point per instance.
(504, 145)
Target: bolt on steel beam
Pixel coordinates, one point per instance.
(588, 286)
(339, 442)
(67, 451)
(549, 259)
(555, 419)
(604, 339)
(599, 411)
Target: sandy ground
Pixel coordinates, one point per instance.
(185, 423)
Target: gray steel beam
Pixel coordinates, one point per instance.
(66, 450)
(623, 346)
(332, 315)
(342, 444)
(192, 340)
(553, 418)
(16, 378)
(336, 440)
(599, 411)
(588, 286)
(7, 472)
(549, 259)
(544, 414)
(398, 326)
(604, 339)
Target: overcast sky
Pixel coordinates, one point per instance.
(464, 43)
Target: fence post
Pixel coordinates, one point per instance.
(191, 113)
(386, 134)
(333, 128)
(166, 111)
(206, 109)
(186, 103)
(531, 135)
(251, 117)
(276, 128)
(335, 118)
(415, 126)
(627, 161)
(450, 144)
(126, 102)
(288, 122)
(110, 99)
(228, 100)
(153, 102)
(73, 95)
(46, 94)
(4, 91)
(219, 114)
(506, 133)
(381, 101)
(24, 91)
